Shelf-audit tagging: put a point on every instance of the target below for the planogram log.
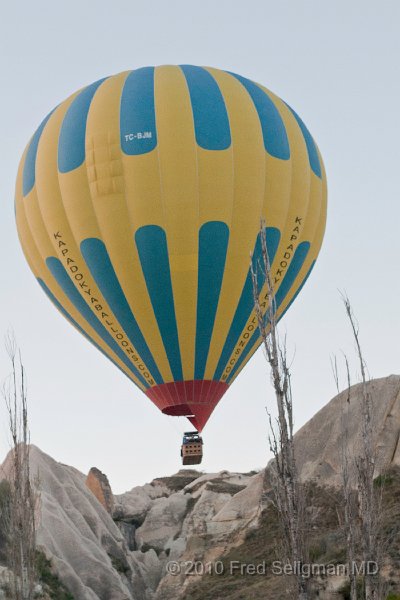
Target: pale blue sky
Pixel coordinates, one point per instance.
(337, 64)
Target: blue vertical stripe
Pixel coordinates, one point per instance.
(69, 289)
(294, 269)
(246, 302)
(310, 144)
(276, 141)
(66, 314)
(211, 121)
(71, 143)
(298, 291)
(97, 259)
(151, 243)
(250, 345)
(29, 175)
(213, 243)
(137, 117)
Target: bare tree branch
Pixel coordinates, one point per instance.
(23, 495)
(363, 518)
(285, 481)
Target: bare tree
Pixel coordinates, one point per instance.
(23, 495)
(361, 505)
(368, 499)
(350, 512)
(362, 501)
(285, 478)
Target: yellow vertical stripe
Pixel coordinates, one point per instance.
(52, 188)
(111, 208)
(311, 257)
(179, 191)
(302, 213)
(32, 236)
(246, 203)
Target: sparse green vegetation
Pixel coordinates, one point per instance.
(317, 550)
(51, 583)
(345, 590)
(177, 482)
(383, 480)
(191, 504)
(326, 545)
(119, 564)
(146, 547)
(224, 487)
(5, 494)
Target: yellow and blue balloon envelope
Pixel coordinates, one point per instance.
(138, 205)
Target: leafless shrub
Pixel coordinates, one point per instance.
(362, 499)
(288, 491)
(350, 507)
(21, 530)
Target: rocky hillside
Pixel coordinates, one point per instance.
(155, 541)
(317, 443)
(100, 555)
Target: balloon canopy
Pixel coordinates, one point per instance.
(138, 205)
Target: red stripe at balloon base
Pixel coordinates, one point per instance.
(194, 399)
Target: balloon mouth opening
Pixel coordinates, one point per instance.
(178, 410)
(194, 399)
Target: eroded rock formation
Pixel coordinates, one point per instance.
(104, 547)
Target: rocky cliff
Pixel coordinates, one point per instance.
(318, 441)
(105, 547)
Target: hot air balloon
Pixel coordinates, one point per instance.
(138, 205)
